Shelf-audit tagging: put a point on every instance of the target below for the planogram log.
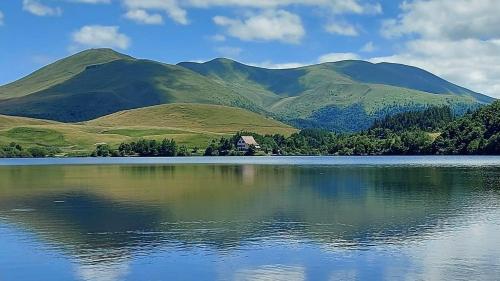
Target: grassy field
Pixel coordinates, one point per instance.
(194, 125)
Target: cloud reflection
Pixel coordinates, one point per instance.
(103, 271)
(271, 273)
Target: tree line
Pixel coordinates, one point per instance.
(143, 148)
(15, 150)
(433, 131)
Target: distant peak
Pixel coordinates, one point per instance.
(103, 52)
(352, 62)
(221, 60)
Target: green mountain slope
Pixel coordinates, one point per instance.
(342, 96)
(121, 84)
(404, 76)
(58, 72)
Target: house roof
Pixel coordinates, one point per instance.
(249, 140)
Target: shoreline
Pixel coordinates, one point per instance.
(374, 161)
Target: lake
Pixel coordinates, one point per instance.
(257, 218)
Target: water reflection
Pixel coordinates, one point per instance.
(247, 222)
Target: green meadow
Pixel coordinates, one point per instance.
(193, 125)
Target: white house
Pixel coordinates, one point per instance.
(245, 142)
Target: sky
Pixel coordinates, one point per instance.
(458, 40)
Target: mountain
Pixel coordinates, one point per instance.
(126, 83)
(59, 72)
(404, 76)
(342, 96)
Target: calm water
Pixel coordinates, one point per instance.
(357, 218)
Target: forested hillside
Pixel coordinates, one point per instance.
(476, 133)
(430, 119)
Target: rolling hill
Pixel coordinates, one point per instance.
(341, 96)
(13, 121)
(191, 124)
(58, 72)
(194, 117)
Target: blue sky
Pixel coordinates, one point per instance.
(456, 39)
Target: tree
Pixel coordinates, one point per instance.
(102, 150)
(183, 151)
(212, 149)
(493, 146)
(168, 148)
(38, 152)
(125, 149)
(251, 150)
(225, 146)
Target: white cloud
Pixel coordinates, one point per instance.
(337, 6)
(170, 7)
(458, 40)
(177, 9)
(218, 38)
(271, 65)
(330, 57)
(229, 52)
(450, 19)
(333, 57)
(92, 1)
(37, 8)
(342, 29)
(368, 47)
(1, 18)
(100, 36)
(269, 25)
(142, 16)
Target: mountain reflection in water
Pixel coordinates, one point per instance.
(250, 222)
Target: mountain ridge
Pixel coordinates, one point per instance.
(99, 82)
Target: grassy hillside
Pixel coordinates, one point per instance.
(191, 124)
(58, 72)
(196, 117)
(342, 96)
(264, 86)
(118, 85)
(293, 82)
(13, 121)
(403, 76)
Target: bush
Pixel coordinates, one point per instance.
(38, 152)
(102, 150)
